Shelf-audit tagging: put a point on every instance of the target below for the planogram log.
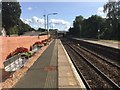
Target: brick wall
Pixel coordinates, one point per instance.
(9, 44)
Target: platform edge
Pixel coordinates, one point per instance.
(80, 82)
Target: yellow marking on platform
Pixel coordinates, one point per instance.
(71, 83)
(68, 74)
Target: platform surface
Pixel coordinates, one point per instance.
(43, 73)
(113, 44)
(67, 78)
(53, 69)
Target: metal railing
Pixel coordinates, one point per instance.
(36, 48)
(14, 63)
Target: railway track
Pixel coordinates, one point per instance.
(100, 49)
(95, 71)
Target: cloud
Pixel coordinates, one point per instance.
(29, 8)
(37, 22)
(64, 25)
(59, 22)
(100, 12)
(34, 22)
(26, 21)
(63, 0)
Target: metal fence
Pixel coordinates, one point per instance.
(14, 63)
(36, 48)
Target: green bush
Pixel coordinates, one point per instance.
(26, 55)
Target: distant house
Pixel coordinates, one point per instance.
(0, 32)
(3, 32)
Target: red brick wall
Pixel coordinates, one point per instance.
(9, 44)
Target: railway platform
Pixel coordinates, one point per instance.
(67, 74)
(113, 44)
(53, 69)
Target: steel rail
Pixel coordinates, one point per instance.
(81, 75)
(96, 69)
(99, 56)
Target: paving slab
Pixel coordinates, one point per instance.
(67, 81)
(66, 75)
(52, 70)
(43, 73)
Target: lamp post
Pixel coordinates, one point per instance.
(98, 34)
(44, 21)
(48, 21)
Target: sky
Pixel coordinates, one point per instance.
(32, 13)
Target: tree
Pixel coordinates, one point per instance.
(0, 16)
(41, 30)
(77, 26)
(10, 15)
(91, 26)
(88, 28)
(113, 13)
(22, 27)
